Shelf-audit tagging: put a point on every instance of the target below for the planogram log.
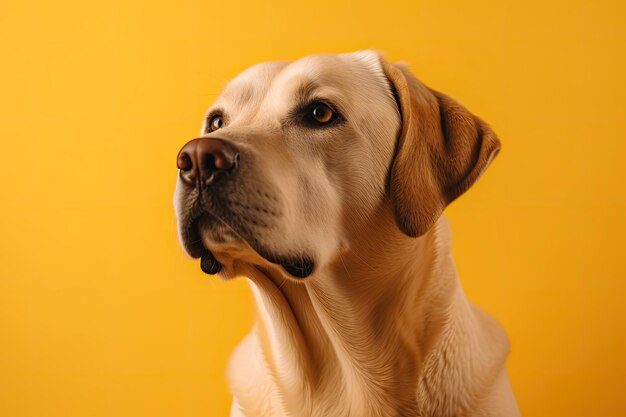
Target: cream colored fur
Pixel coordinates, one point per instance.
(382, 327)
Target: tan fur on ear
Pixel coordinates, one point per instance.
(442, 150)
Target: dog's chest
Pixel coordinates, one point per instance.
(257, 389)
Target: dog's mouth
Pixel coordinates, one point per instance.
(301, 268)
(221, 232)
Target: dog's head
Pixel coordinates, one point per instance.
(295, 157)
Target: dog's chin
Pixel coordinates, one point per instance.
(221, 250)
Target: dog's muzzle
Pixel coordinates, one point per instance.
(204, 161)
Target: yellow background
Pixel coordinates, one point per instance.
(102, 315)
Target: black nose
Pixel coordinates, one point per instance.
(203, 160)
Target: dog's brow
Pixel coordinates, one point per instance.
(213, 111)
(301, 96)
(307, 91)
(304, 91)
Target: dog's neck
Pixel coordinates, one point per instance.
(368, 328)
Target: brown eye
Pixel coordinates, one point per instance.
(322, 114)
(215, 123)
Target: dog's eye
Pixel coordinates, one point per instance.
(215, 123)
(322, 114)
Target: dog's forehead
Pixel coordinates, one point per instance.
(322, 67)
(278, 79)
(251, 82)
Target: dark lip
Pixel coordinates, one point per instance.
(192, 240)
(300, 268)
(296, 266)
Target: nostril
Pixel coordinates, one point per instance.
(219, 161)
(184, 162)
(209, 163)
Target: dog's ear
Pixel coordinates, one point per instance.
(442, 150)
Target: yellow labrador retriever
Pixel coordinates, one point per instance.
(323, 182)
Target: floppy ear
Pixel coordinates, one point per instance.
(442, 150)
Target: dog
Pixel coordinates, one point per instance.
(323, 181)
